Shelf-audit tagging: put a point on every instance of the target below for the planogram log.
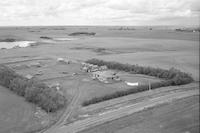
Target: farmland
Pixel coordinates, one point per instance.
(158, 48)
(17, 115)
(178, 116)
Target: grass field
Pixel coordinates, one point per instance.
(181, 116)
(163, 48)
(16, 115)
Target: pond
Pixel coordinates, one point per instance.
(21, 44)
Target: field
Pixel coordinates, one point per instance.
(17, 115)
(181, 116)
(163, 48)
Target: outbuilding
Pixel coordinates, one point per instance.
(105, 76)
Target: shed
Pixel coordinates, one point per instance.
(104, 67)
(132, 84)
(29, 76)
(35, 64)
(62, 60)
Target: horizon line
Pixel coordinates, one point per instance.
(100, 25)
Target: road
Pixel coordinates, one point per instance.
(67, 112)
(121, 112)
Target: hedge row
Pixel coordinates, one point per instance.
(125, 92)
(171, 76)
(33, 90)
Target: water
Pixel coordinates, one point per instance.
(21, 44)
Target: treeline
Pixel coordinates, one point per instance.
(33, 90)
(8, 40)
(175, 76)
(82, 33)
(172, 77)
(46, 37)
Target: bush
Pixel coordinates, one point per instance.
(33, 90)
(45, 37)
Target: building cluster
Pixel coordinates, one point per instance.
(87, 67)
(100, 73)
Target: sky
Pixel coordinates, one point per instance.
(99, 12)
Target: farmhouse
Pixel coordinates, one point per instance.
(105, 76)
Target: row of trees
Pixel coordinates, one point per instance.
(125, 92)
(82, 33)
(33, 90)
(171, 76)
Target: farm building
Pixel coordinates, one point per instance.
(105, 76)
(35, 64)
(132, 84)
(64, 61)
(29, 76)
(92, 68)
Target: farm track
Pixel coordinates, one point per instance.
(66, 114)
(48, 79)
(60, 77)
(22, 61)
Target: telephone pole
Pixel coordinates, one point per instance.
(149, 85)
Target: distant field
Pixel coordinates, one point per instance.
(181, 54)
(181, 116)
(102, 31)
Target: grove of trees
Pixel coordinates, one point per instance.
(33, 90)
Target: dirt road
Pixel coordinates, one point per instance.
(121, 112)
(67, 113)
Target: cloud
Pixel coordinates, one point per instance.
(97, 12)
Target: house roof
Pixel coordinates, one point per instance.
(29, 76)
